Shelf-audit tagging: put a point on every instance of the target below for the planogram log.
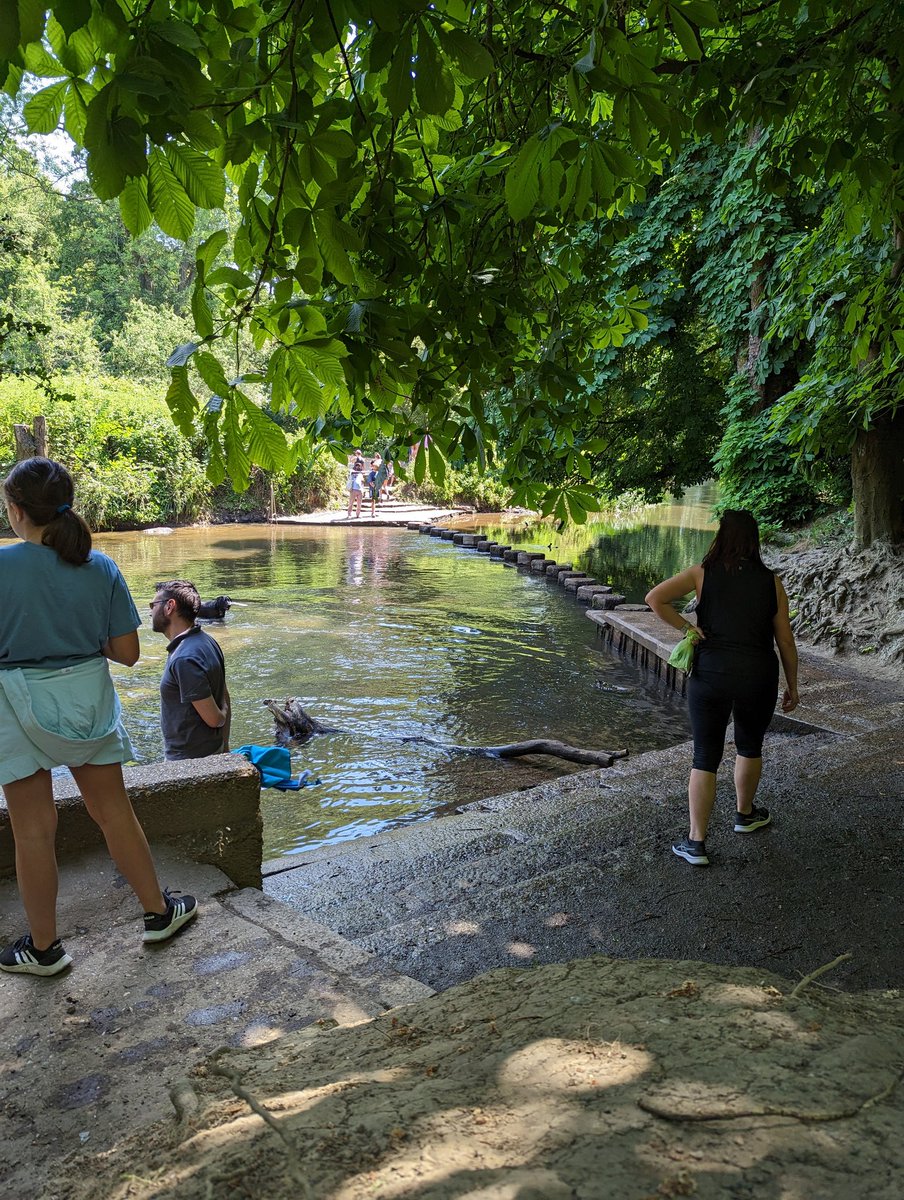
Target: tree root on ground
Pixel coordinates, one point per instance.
(808, 979)
(851, 600)
(658, 1109)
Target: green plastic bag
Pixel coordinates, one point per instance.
(682, 656)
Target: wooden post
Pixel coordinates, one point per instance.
(31, 443)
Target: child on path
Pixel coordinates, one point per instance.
(356, 485)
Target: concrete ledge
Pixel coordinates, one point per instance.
(208, 808)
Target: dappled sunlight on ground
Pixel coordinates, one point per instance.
(595, 1079)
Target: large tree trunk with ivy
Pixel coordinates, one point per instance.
(877, 471)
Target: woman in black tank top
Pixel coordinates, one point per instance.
(741, 615)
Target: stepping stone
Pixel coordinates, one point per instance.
(485, 546)
(552, 570)
(510, 555)
(576, 581)
(635, 608)
(413, 525)
(436, 531)
(470, 540)
(497, 551)
(457, 539)
(539, 565)
(526, 557)
(610, 601)
(564, 574)
(447, 535)
(424, 528)
(588, 591)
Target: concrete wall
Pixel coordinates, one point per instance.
(209, 808)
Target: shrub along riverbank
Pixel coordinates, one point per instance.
(134, 469)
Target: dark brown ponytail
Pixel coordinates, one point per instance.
(43, 489)
(737, 542)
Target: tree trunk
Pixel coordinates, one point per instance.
(31, 442)
(877, 473)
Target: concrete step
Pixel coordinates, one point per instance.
(464, 863)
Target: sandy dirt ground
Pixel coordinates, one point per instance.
(592, 1080)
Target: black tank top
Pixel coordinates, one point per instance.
(736, 608)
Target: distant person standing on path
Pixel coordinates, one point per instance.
(65, 611)
(356, 485)
(374, 479)
(195, 712)
(742, 614)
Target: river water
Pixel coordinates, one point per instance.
(388, 634)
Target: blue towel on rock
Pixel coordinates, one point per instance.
(275, 766)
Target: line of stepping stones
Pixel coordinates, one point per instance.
(584, 587)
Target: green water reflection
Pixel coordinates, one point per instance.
(631, 551)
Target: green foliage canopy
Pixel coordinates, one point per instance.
(409, 176)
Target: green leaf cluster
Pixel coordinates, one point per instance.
(431, 196)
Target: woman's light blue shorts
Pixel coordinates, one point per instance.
(67, 717)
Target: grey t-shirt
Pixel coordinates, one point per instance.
(54, 614)
(195, 669)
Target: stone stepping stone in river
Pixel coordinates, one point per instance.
(457, 539)
(485, 546)
(435, 531)
(635, 608)
(552, 570)
(576, 581)
(540, 565)
(586, 591)
(565, 574)
(416, 525)
(511, 555)
(447, 535)
(424, 528)
(498, 551)
(470, 540)
(526, 557)
(612, 600)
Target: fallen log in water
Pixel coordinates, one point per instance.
(593, 758)
(294, 724)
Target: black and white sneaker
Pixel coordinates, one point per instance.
(692, 852)
(180, 909)
(755, 819)
(26, 959)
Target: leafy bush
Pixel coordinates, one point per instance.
(132, 467)
(130, 463)
(463, 484)
(757, 471)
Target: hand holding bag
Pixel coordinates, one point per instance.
(682, 656)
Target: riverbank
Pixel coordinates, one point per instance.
(533, 1080)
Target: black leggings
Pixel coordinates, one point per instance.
(721, 686)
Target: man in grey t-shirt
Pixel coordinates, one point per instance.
(194, 700)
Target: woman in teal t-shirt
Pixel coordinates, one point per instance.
(65, 611)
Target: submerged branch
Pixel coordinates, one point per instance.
(294, 724)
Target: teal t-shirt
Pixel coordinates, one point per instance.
(53, 614)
